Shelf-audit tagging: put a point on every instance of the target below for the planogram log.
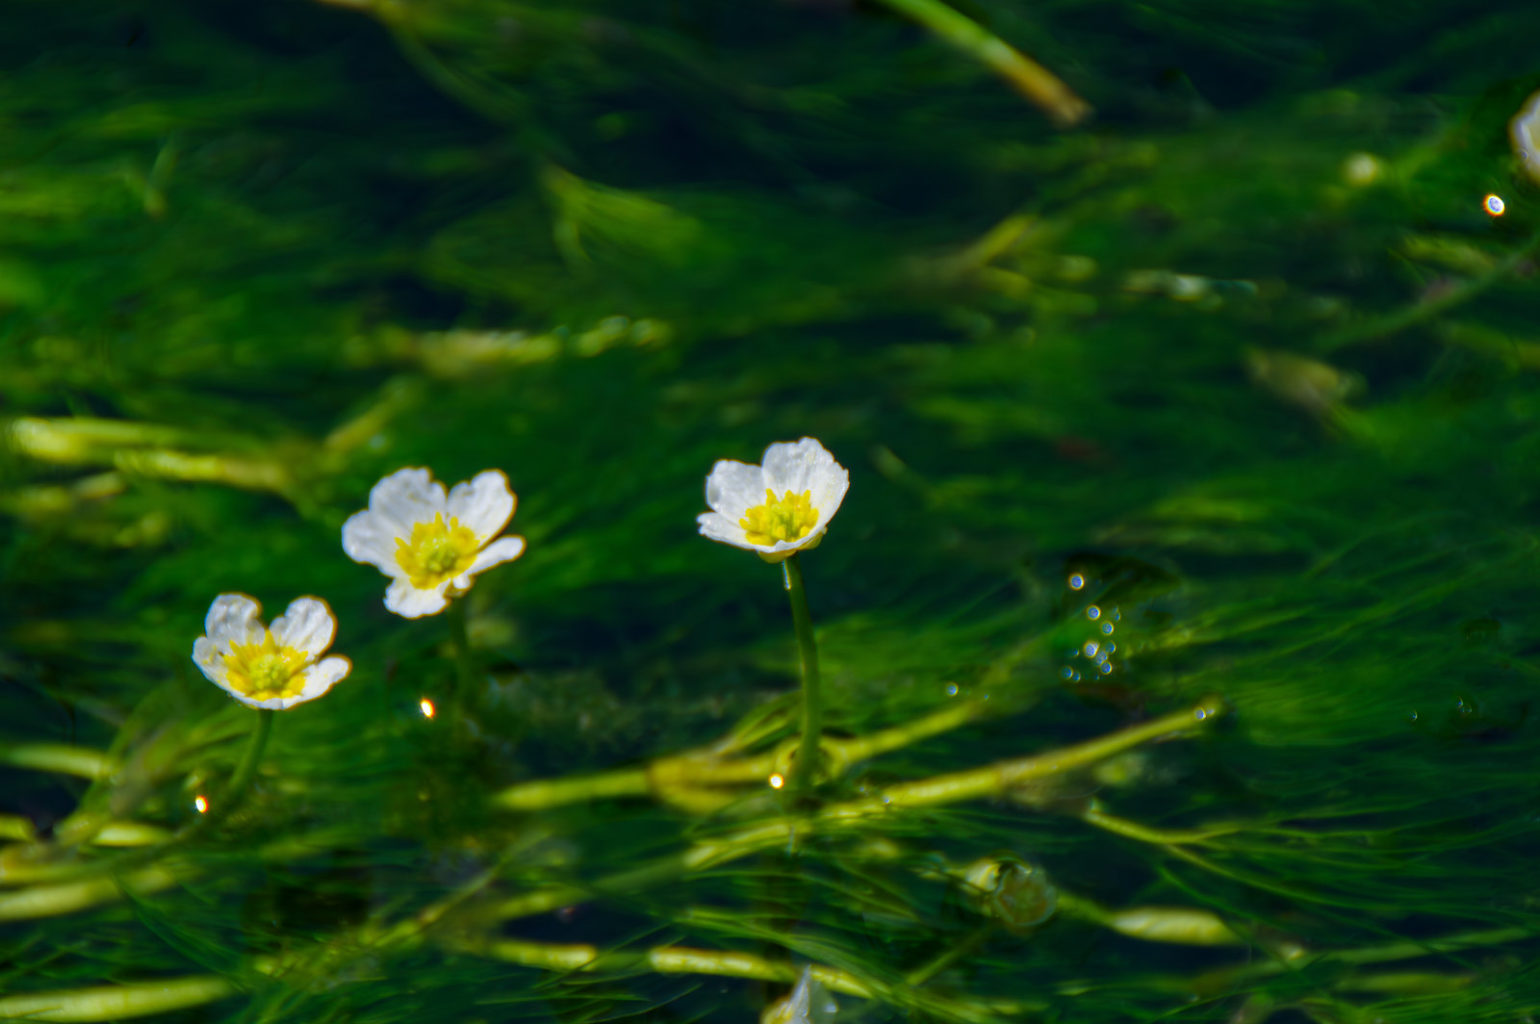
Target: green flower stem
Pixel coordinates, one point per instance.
(465, 661)
(247, 769)
(240, 782)
(969, 944)
(803, 772)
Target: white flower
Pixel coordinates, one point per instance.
(1524, 131)
(269, 668)
(431, 544)
(779, 508)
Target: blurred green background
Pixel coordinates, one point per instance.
(1244, 351)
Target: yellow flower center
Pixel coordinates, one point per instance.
(789, 517)
(265, 670)
(436, 551)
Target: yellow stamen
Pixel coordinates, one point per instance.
(436, 552)
(265, 669)
(789, 517)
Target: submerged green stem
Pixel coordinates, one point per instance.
(803, 772)
(1034, 81)
(465, 663)
(969, 944)
(240, 782)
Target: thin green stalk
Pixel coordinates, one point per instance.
(240, 782)
(803, 772)
(969, 944)
(465, 663)
(989, 781)
(116, 1002)
(1034, 81)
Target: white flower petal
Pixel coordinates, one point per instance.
(322, 677)
(504, 549)
(789, 466)
(409, 602)
(1524, 131)
(307, 625)
(406, 497)
(828, 484)
(716, 526)
(367, 538)
(485, 504)
(734, 487)
(210, 660)
(232, 619)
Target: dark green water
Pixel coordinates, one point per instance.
(1239, 366)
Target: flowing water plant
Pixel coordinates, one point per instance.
(1228, 392)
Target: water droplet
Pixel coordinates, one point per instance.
(1200, 714)
(1093, 613)
(1068, 673)
(1076, 581)
(1493, 204)
(1104, 668)
(951, 689)
(1106, 628)
(1090, 648)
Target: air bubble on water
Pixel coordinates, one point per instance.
(1076, 581)
(1102, 655)
(1066, 673)
(1117, 616)
(1090, 648)
(1109, 646)
(1104, 667)
(1093, 613)
(951, 689)
(1106, 627)
(1073, 652)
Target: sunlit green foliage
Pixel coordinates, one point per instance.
(1239, 367)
